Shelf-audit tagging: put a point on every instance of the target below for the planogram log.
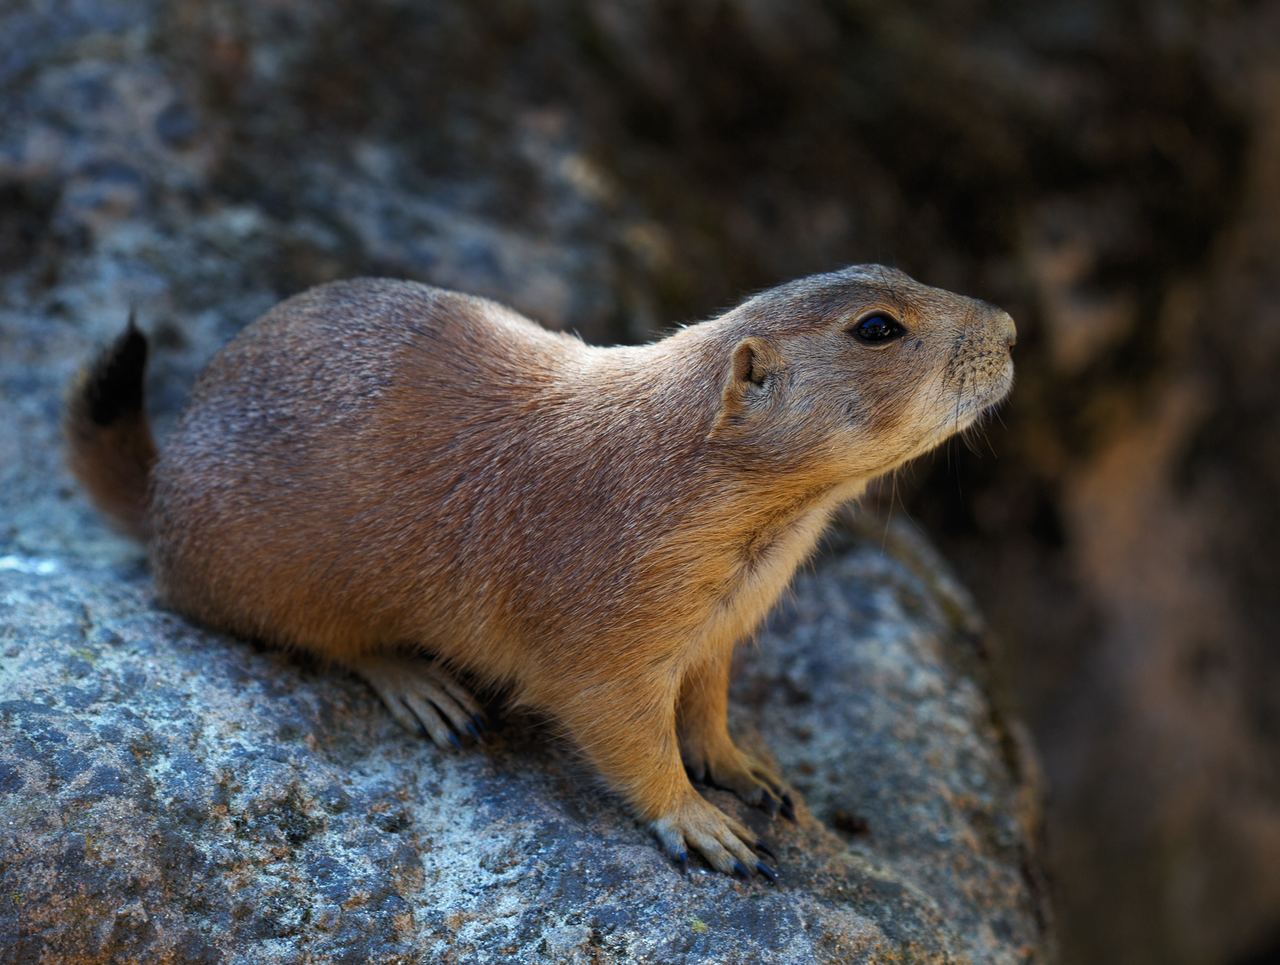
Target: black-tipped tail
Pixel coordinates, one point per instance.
(112, 451)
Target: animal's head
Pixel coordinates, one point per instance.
(856, 371)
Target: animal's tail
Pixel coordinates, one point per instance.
(112, 451)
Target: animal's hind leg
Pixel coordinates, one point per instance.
(424, 697)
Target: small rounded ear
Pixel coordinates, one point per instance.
(754, 360)
(752, 363)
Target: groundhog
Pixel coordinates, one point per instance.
(413, 483)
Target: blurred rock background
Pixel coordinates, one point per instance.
(1107, 170)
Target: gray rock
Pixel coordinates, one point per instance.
(166, 791)
(169, 794)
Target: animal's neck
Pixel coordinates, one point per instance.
(752, 514)
(756, 568)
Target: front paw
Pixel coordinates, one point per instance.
(750, 779)
(725, 844)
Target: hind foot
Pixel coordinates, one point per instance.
(424, 698)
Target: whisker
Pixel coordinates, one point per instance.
(893, 495)
(986, 437)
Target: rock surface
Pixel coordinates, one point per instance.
(167, 794)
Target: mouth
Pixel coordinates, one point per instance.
(999, 388)
(970, 402)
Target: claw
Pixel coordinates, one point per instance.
(775, 788)
(761, 846)
(477, 719)
(740, 871)
(683, 858)
(789, 809)
(475, 733)
(768, 872)
(453, 739)
(771, 803)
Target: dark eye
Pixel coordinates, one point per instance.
(877, 328)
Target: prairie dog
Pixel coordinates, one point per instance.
(378, 466)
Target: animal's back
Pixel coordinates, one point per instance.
(311, 495)
(288, 504)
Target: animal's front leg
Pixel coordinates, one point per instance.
(706, 748)
(628, 732)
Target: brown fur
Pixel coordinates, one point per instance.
(376, 465)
